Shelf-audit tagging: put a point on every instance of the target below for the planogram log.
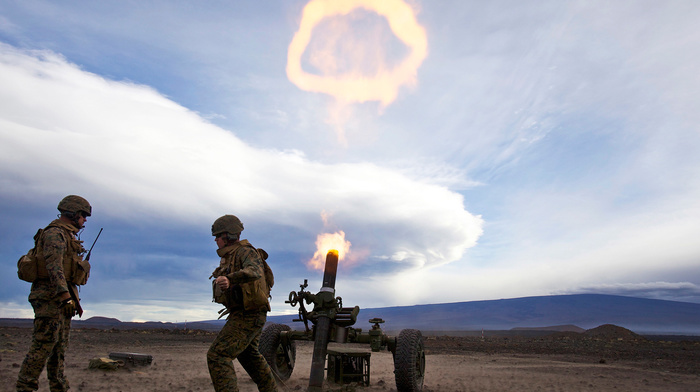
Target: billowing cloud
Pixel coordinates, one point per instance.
(137, 153)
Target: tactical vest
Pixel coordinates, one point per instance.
(248, 296)
(75, 269)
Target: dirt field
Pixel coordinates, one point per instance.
(606, 359)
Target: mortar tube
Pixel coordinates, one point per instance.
(318, 361)
(330, 270)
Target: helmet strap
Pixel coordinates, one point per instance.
(73, 217)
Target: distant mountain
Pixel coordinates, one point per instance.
(550, 313)
(642, 315)
(558, 328)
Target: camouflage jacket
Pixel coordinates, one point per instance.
(58, 246)
(242, 265)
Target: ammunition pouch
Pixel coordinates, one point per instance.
(231, 298)
(81, 271)
(218, 295)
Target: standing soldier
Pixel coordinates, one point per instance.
(60, 266)
(239, 285)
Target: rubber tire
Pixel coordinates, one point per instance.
(409, 361)
(271, 348)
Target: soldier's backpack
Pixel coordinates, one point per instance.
(30, 267)
(269, 276)
(256, 295)
(27, 264)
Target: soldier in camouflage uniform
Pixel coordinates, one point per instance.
(57, 249)
(237, 279)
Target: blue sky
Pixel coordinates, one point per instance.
(537, 148)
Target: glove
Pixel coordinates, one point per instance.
(68, 308)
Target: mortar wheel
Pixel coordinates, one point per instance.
(280, 357)
(409, 361)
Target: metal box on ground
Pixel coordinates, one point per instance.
(132, 359)
(348, 365)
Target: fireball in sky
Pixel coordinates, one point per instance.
(346, 42)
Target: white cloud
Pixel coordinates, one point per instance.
(133, 152)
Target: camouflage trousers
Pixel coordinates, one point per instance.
(239, 338)
(49, 344)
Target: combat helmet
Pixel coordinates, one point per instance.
(227, 224)
(72, 204)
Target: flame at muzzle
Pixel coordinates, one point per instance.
(329, 242)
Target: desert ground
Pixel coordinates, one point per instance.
(610, 359)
